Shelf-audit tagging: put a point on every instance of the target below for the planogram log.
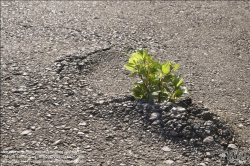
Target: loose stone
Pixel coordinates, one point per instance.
(26, 132)
(166, 149)
(168, 162)
(57, 142)
(82, 124)
(208, 139)
(154, 116)
(232, 146)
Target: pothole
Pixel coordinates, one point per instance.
(100, 72)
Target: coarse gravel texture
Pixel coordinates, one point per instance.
(64, 87)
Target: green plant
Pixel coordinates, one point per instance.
(157, 82)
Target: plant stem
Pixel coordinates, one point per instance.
(159, 95)
(170, 99)
(147, 82)
(144, 83)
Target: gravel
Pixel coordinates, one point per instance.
(63, 86)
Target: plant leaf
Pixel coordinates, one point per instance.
(175, 80)
(166, 68)
(176, 66)
(130, 68)
(167, 78)
(178, 93)
(156, 79)
(180, 82)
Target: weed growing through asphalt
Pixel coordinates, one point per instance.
(157, 82)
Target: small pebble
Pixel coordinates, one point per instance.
(168, 162)
(57, 142)
(202, 164)
(208, 139)
(166, 149)
(32, 98)
(232, 146)
(240, 126)
(82, 124)
(26, 132)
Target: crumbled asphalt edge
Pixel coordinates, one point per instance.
(186, 111)
(183, 124)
